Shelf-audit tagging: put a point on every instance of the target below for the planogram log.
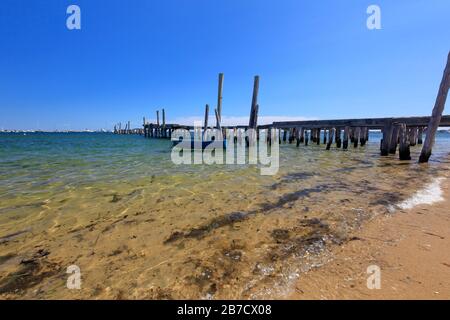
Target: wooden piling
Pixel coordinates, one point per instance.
(387, 136)
(306, 137)
(163, 123)
(205, 123)
(314, 135)
(404, 151)
(291, 135)
(297, 135)
(356, 134)
(255, 117)
(420, 135)
(338, 137)
(351, 132)
(345, 140)
(436, 114)
(217, 119)
(330, 138)
(412, 136)
(302, 134)
(364, 132)
(219, 99)
(394, 139)
(254, 101)
(157, 124)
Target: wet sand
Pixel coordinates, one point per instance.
(411, 247)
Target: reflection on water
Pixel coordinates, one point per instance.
(139, 226)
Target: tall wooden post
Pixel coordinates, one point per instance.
(255, 117)
(205, 126)
(145, 128)
(157, 124)
(437, 114)
(163, 123)
(254, 101)
(217, 119)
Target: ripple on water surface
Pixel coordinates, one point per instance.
(139, 226)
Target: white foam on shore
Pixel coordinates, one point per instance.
(430, 194)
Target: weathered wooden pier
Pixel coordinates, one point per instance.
(397, 133)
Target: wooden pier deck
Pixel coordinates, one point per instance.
(397, 132)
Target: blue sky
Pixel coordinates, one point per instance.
(316, 59)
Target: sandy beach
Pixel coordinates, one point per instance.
(410, 247)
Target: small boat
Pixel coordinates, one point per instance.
(204, 143)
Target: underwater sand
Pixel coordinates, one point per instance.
(139, 226)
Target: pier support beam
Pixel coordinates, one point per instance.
(394, 139)
(338, 137)
(291, 135)
(437, 114)
(404, 150)
(252, 123)
(387, 136)
(330, 138)
(302, 135)
(157, 124)
(205, 123)
(412, 136)
(297, 135)
(163, 123)
(356, 134)
(420, 135)
(345, 142)
(219, 98)
(364, 136)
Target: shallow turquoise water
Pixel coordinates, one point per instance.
(116, 202)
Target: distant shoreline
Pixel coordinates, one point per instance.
(108, 131)
(56, 131)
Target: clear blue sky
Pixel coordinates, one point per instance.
(316, 58)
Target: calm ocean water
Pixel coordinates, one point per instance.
(139, 226)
